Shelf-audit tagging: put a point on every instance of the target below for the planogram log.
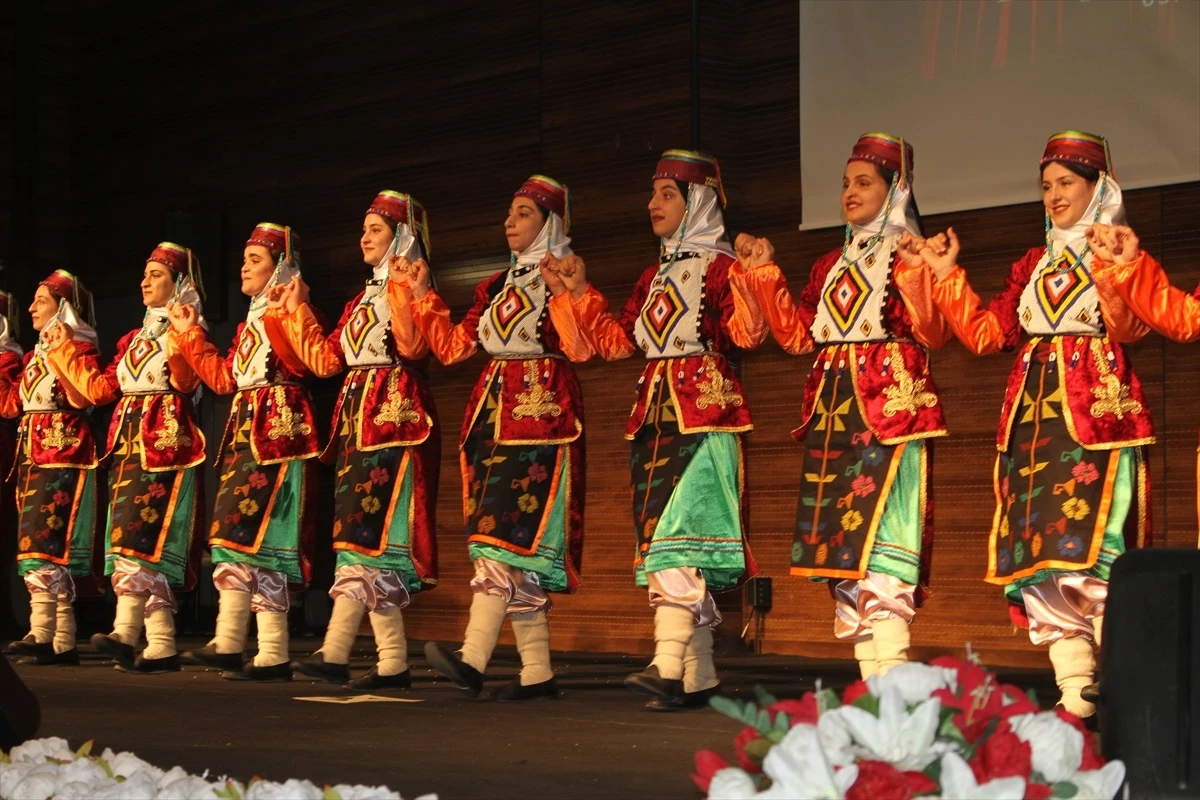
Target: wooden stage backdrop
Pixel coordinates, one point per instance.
(299, 112)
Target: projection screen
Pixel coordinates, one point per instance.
(978, 85)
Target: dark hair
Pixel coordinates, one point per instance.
(1089, 174)
(545, 212)
(684, 189)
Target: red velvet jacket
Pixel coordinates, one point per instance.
(61, 437)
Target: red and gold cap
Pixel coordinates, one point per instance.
(550, 194)
(180, 260)
(403, 209)
(279, 239)
(10, 311)
(66, 286)
(691, 166)
(1077, 147)
(887, 151)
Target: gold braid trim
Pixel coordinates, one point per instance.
(538, 401)
(396, 409)
(717, 390)
(286, 424)
(907, 393)
(1112, 396)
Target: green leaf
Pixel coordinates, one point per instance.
(869, 703)
(230, 792)
(727, 706)
(85, 749)
(828, 698)
(756, 749)
(1064, 790)
(330, 794)
(783, 723)
(762, 721)
(764, 697)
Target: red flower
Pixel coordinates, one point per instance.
(61, 498)
(1085, 472)
(877, 779)
(257, 479)
(157, 490)
(380, 476)
(863, 485)
(854, 691)
(799, 711)
(1037, 791)
(537, 473)
(707, 765)
(979, 699)
(1002, 755)
(744, 738)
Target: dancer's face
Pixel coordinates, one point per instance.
(44, 307)
(377, 235)
(158, 284)
(1065, 195)
(523, 224)
(864, 191)
(667, 206)
(257, 268)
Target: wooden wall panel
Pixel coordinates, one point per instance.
(299, 112)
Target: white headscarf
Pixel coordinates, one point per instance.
(552, 239)
(703, 225)
(1106, 207)
(285, 270)
(7, 342)
(67, 314)
(894, 218)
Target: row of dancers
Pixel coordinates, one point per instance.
(1070, 476)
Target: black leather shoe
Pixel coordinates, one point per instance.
(690, 700)
(23, 647)
(44, 656)
(317, 667)
(208, 657)
(373, 681)
(1091, 693)
(112, 646)
(648, 681)
(275, 672)
(535, 691)
(149, 666)
(447, 662)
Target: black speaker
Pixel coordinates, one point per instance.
(203, 232)
(1150, 671)
(20, 714)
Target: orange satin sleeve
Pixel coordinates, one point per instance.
(449, 342)
(406, 336)
(1145, 289)
(746, 327)
(976, 327)
(300, 343)
(768, 286)
(916, 290)
(605, 335)
(1121, 324)
(201, 354)
(183, 378)
(83, 384)
(571, 339)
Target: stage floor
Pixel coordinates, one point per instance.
(596, 741)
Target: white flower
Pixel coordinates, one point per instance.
(13, 774)
(80, 791)
(39, 783)
(127, 764)
(836, 742)
(289, 790)
(139, 786)
(178, 785)
(38, 750)
(1056, 747)
(731, 783)
(1099, 784)
(904, 740)
(959, 781)
(347, 792)
(797, 767)
(914, 680)
(82, 770)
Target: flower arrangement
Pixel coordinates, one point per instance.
(48, 768)
(944, 729)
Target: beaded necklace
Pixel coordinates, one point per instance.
(1087, 248)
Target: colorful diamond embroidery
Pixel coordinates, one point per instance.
(248, 345)
(359, 325)
(34, 372)
(509, 309)
(1058, 291)
(662, 310)
(139, 355)
(846, 297)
